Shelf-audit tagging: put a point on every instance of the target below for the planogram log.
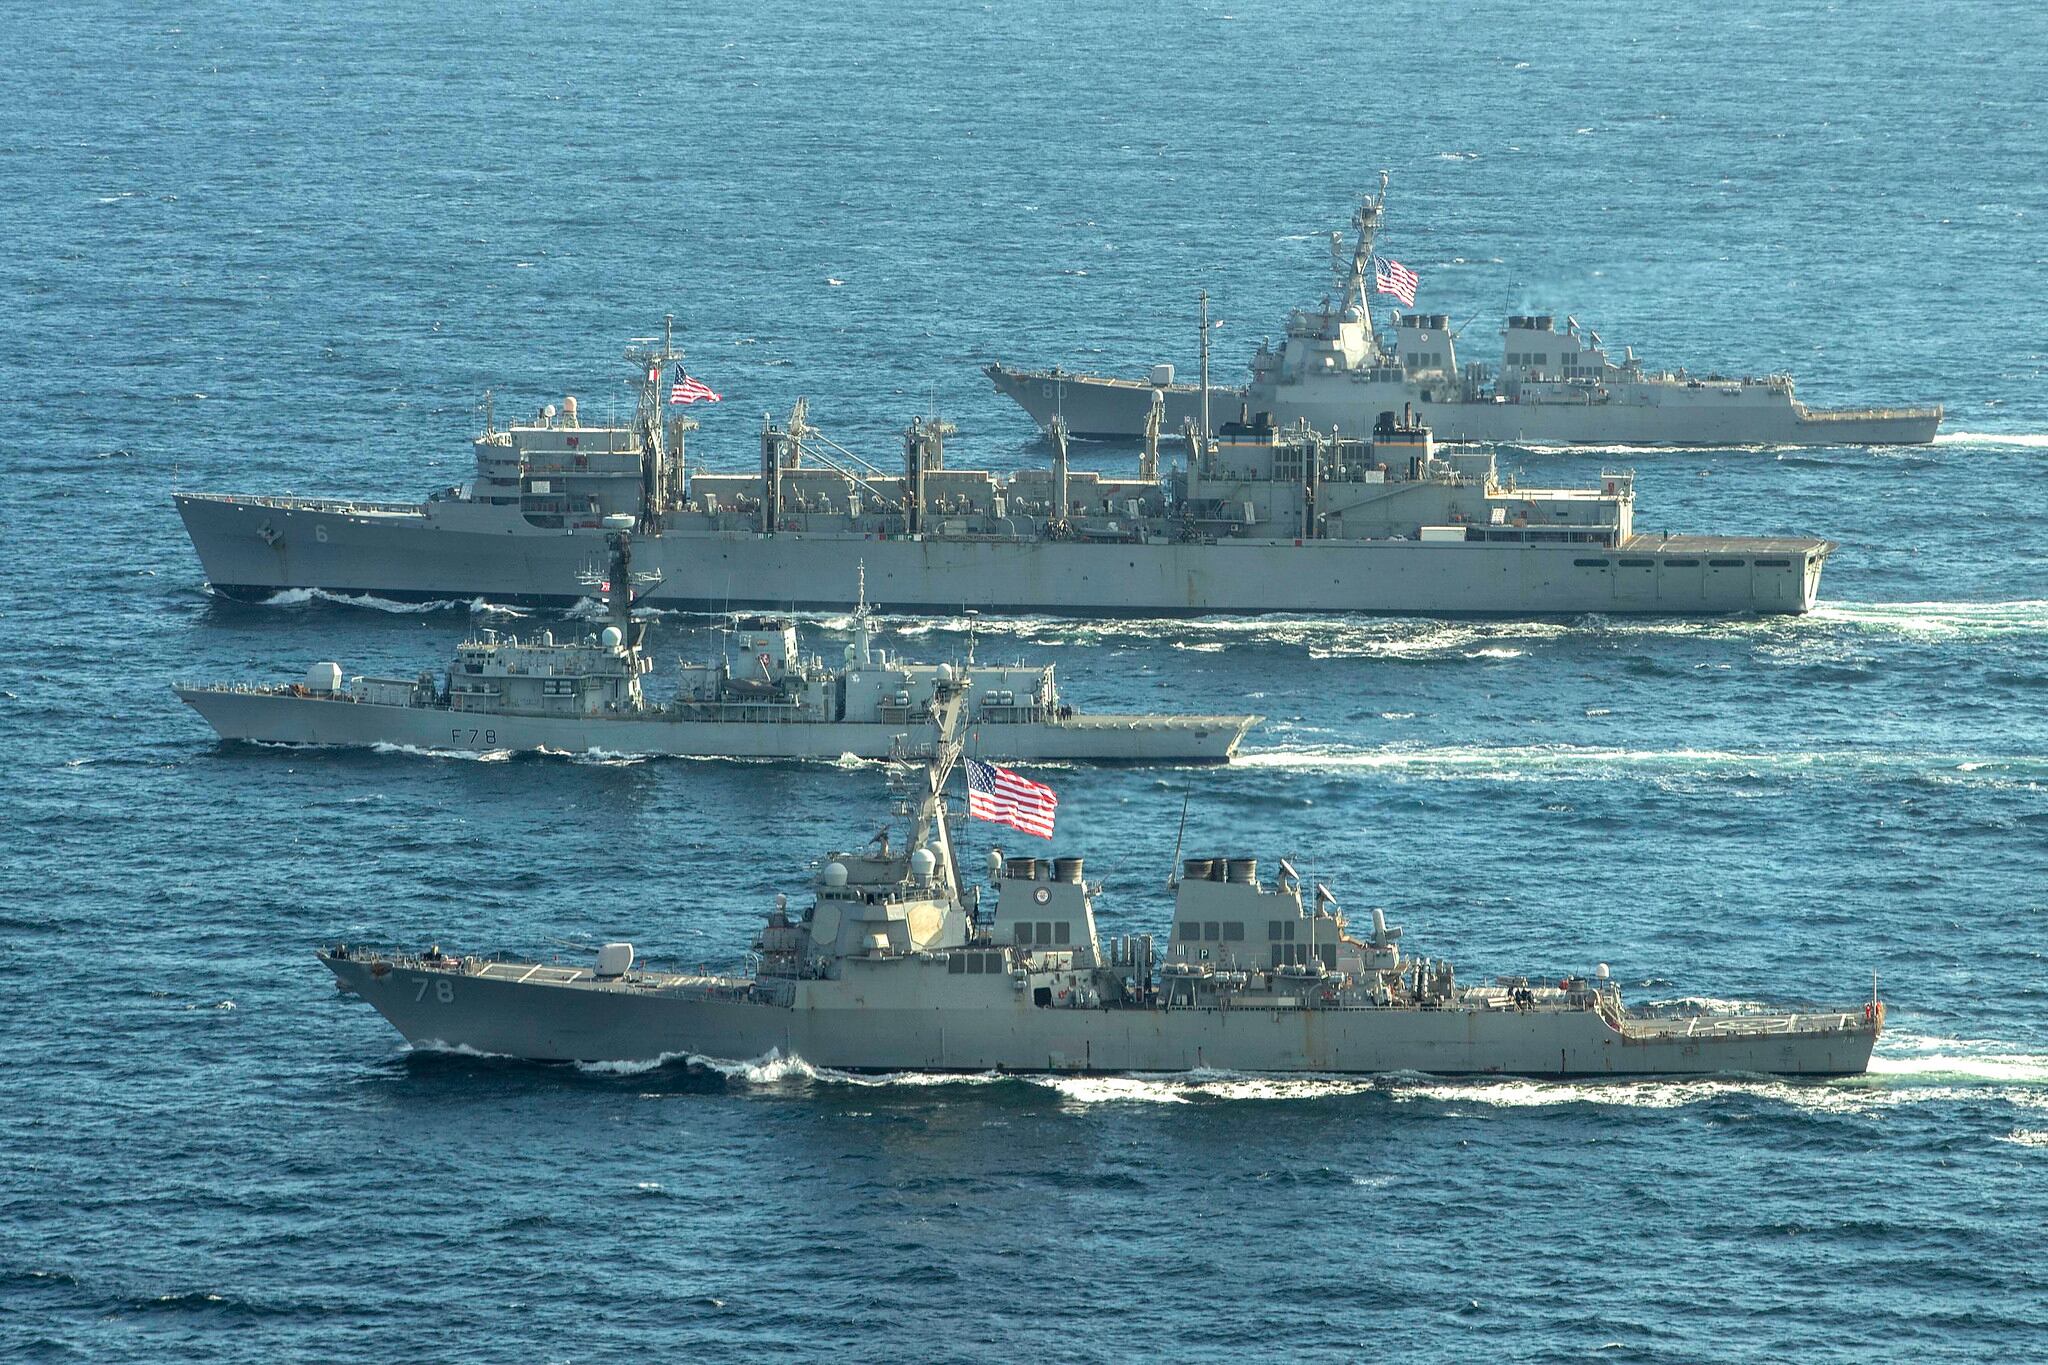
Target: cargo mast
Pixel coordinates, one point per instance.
(655, 475)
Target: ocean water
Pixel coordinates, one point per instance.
(286, 247)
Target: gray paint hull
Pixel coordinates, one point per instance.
(252, 548)
(827, 1027)
(278, 718)
(1114, 410)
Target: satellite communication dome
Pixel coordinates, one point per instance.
(835, 874)
(945, 673)
(613, 637)
(921, 864)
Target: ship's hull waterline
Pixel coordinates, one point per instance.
(1096, 408)
(829, 1028)
(280, 717)
(255, 548)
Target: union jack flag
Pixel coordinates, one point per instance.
(999, 795)
(688, 390)
(1391, 277)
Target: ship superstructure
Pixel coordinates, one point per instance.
(1551, 385)
(901, 962)
(1259, 517)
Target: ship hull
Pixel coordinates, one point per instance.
(1103, 409)
(254, 548)
(268, 717)
(827, 1027)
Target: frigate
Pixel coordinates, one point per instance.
(579, 695)
(898, 964)
(1334, 370)
(1260, 517)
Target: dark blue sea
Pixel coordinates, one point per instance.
(282, 247)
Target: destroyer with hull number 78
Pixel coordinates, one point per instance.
(575, 696)
(897, 964)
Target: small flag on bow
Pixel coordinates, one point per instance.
(997, 794)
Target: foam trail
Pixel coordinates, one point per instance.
(299, 597)
(2021, 616)
(2023, 440)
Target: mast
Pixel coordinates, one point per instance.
(654, 464)
(860, 620)
(930, 821)
(1058, 431)
(1206, 428)
(1357, 297)
(1148, 462)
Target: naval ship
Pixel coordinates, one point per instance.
(585, 694)
(1333, 370)
(1260, 518)
(896, 964)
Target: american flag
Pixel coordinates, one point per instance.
(688, 390)
(1000, 795)
(1391, 277)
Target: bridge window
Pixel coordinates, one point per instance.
(1638, 563)
(1024, 931)
(1212, 931)
(1059, 932)
(1681, 563)
(977, 964)
(1774, 563)
(956, 965)
(1724, 563)
(1589, 563)
(1233, 932)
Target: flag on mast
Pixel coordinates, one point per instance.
(688, 390)
(997, 794)
(1391, 277)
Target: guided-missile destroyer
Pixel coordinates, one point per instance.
(1261, 518)
(1332, 369)
(898, 964)
(576, 695)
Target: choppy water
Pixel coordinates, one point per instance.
(277, 248)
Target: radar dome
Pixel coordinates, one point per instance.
(921, 864)
(1600, 970)
(945, 673)
(613, 637)
(835, 874)
(618, 521)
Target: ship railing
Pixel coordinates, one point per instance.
(1867, 414)
(342, 506)
(1742, 1025)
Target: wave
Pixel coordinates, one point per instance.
(2024, 440)
(1507, 762)
(2020, 616)
(299, 597)
(465, 755)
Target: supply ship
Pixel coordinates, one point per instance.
(898, 964)
(577, 695)
(1333, 370)
(1260, 518)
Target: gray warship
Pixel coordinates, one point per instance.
(1333, 370)
(1260, 518)
(897, 964)
(583, 695)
